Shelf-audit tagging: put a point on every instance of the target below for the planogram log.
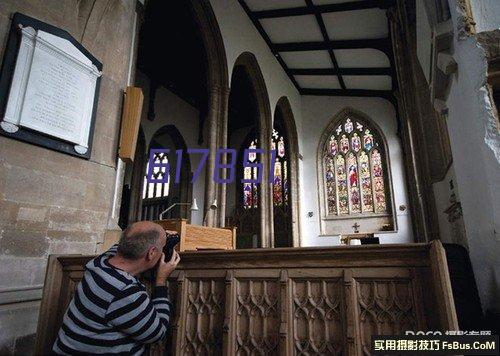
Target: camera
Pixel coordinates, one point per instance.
(168, 250)
(172, 241)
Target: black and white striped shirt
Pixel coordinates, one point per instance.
(111, 313)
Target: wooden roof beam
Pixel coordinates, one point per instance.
(342, 71)
(387, 94)
(326, 38)
(305, 10)
(382, 44)
(266, 38)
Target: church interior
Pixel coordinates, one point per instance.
(378, 172)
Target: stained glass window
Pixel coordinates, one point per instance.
(250, 190)
(354, 170)
(280, 174)
(280, 180)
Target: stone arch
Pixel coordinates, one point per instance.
(218, 94)
(217, 87)
(176, 136)
(341, 115)
(185, 185)
(264, 124)
(283, 104)
(213, 43)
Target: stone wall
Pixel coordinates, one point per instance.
(475, 143)
(51, 202)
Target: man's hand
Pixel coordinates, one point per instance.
(164, 269)
(170, 232)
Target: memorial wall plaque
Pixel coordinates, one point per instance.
(48, 88)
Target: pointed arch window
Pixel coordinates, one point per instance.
(280, 174)
(156, 190)
(251, 190)
(355, 170)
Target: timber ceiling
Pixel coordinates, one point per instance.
(171, 51)
(329, 47)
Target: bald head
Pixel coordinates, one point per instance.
(139, 237)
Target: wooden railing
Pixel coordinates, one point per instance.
(286, 301)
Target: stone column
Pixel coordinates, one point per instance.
(214, 111)
(221, 212)
(419, 197)
(113, 231)
(265, 197)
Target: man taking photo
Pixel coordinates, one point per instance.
(111, 312)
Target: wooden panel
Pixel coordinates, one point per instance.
(173, 224)
(385, 307)
(442, 287)
(194, 237)
(202, 237)
(63, 274)
(311, 257)
(131, 119)
(318, 316)
(203, 317)
(257, 316)
(285, 301)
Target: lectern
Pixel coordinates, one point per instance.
(195, 237)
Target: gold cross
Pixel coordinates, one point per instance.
(356, 226)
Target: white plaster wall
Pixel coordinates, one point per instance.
(240, 35)
(486, 14)
(317, 113)
(172, 110)
(475, 143)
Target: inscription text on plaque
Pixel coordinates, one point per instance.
(52, 89)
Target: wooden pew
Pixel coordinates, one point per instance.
(285, 301)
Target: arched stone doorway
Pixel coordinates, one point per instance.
(157, 197)
(286, 184)
(218, 96)
(143, 201)
(195, 71)
(247, 69)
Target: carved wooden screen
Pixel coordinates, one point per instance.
(293, 301)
